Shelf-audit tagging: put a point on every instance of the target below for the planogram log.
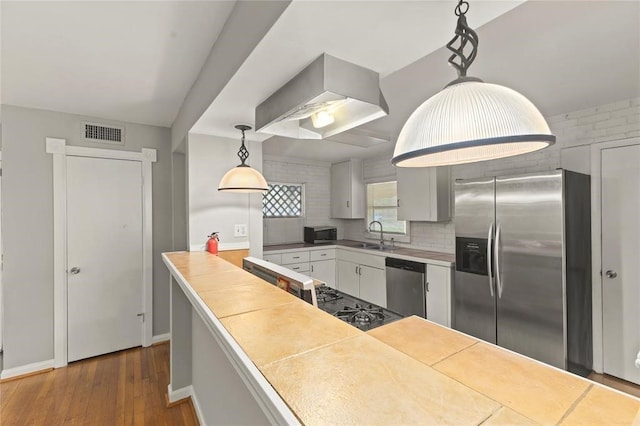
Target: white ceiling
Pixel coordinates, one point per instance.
(384, 36)
(135, 61)
(564, 56)
(125, 61)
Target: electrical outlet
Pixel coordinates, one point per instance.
(240, 230)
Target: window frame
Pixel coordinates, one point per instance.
(375, 235)
(302, 200)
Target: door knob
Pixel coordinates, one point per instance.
(74, 271)
(611, 274)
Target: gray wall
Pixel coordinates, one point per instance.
(208, 159)
(27, 227)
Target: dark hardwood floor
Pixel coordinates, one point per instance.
(122, 388)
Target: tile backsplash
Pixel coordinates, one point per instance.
(581, 128)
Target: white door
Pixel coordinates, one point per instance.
(621, 261)
(104, 255)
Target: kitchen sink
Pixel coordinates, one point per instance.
(372, 246)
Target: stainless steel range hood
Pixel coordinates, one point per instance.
(326, 98)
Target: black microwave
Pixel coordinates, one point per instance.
(320, 234)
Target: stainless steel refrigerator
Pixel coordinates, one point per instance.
(523, 265)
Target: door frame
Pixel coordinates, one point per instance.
(596, 244)
(59, 150)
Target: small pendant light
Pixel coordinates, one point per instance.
(243, 178)
(470, 120)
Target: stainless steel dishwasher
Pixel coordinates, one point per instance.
(406, 287)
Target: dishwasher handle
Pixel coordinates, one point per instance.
(407, 265)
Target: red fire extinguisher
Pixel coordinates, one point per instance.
(212, 243)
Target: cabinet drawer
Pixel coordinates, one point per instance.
(322, 254)
(273, 258)
(298, 267)
(295, 257)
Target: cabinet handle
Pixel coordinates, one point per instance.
(347, 203)
(360, 270)
(356, 270)
(311, 268)
(296, 257)
(295, 267)
(398, 203)
(323, 254)
(427, 285)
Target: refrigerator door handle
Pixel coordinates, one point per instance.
(496, 243)
(489, 259)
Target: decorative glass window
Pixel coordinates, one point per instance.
(283, 200)
(382, 205)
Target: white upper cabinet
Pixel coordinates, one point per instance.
(347, 190)
(424, 194)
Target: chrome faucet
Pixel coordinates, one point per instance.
(381, 232)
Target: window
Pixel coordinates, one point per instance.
(382, 205)
(283, 200)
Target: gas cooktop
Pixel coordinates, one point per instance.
(353, 310)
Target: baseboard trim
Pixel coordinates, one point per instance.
(196, 407)
(178, 396)
(174, 403)
(160, 338)
(26, 370)
(174, 396)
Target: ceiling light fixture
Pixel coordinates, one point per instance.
(243, 178)
(322, 119)
(470, 120)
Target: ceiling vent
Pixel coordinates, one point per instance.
(100, 133)
(326, 98)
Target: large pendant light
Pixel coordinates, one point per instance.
(470, 120)
(243, 178)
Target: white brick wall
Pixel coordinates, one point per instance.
(317, 180)
(612, 121)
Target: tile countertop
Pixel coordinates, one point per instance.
(409, 372)
(438, 258)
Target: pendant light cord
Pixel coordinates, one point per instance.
(464, 36)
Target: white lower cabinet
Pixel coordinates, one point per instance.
(373, 285)
(273, 258)
(348, 278)
(365, 282)
(439, 294)
(363, 275)
(324, 270)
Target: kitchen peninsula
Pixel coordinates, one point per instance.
(248, 352)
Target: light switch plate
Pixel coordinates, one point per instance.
(240, 230)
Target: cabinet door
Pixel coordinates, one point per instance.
(439, 294)
(373, 285)
(324, 270)
(340, 190)
(348, 278)
(424, 194)
(347, 190)
(413, 193)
